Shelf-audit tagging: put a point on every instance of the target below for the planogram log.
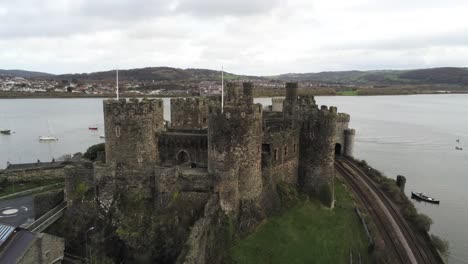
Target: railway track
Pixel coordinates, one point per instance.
(405, 244)
(420, 248)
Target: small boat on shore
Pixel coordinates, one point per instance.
(5, 131)
(47, 138)
(424, 197)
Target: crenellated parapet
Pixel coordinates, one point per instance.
(343, 118)
(123, 108)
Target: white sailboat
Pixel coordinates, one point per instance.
(49, 137)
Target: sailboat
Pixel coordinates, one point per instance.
(49, 137)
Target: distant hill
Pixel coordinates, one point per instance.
(23, 74)
(155, 74)
(446, 75)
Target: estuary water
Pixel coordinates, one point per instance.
(414, 136)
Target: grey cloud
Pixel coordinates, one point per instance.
(209, 8)
(446, 39)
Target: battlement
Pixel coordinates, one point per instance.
(125, 107)
(243, 110)
(328, 110)
(342, 117)
(190, 100)
(350, 132)
(277, 100)
(306, 100)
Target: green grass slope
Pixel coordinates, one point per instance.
(307, 233)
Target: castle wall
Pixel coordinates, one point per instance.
(132, 131)
(189, 113)
(194, 145)
(34, 174)
(280, 153)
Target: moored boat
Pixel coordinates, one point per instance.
(5, 131)
(47, 138)
(424, 197)
(93, 128)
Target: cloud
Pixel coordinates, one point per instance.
(210, 8)
(246, 36)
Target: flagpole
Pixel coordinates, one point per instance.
(222, 88)
(117, 81)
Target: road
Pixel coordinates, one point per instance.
(18, 211)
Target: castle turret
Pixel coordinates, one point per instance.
(349, 142)
(132, 131)
(316, 169)
(290, 103)
(234, 150)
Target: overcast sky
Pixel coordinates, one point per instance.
(256, 37)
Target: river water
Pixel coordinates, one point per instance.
(414, 136)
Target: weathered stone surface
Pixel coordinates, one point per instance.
(31, 175)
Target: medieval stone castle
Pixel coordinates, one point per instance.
(234, 152)
(212, 171)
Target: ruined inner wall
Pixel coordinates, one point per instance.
(132, 130)
(182, 146)
(189, 113)
(234, 148)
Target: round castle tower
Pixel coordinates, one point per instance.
(234, 147)
(349, 142)
(131, 129)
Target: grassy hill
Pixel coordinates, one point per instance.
(433, 76)
(23, 74)
(446, 75)
(156, 74)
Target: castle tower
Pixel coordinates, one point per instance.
(290, 103)
(349, 142)
(316, 165)
(132, 131)
(234, 149)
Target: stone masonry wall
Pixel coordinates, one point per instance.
(317, 171)
(132, 131)
(194, 146)
(234, 149)
(36, 174)
(189, 113)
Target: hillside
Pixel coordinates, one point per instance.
(446, 75)
(23, 74)
(433, 76)
(155, 74)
